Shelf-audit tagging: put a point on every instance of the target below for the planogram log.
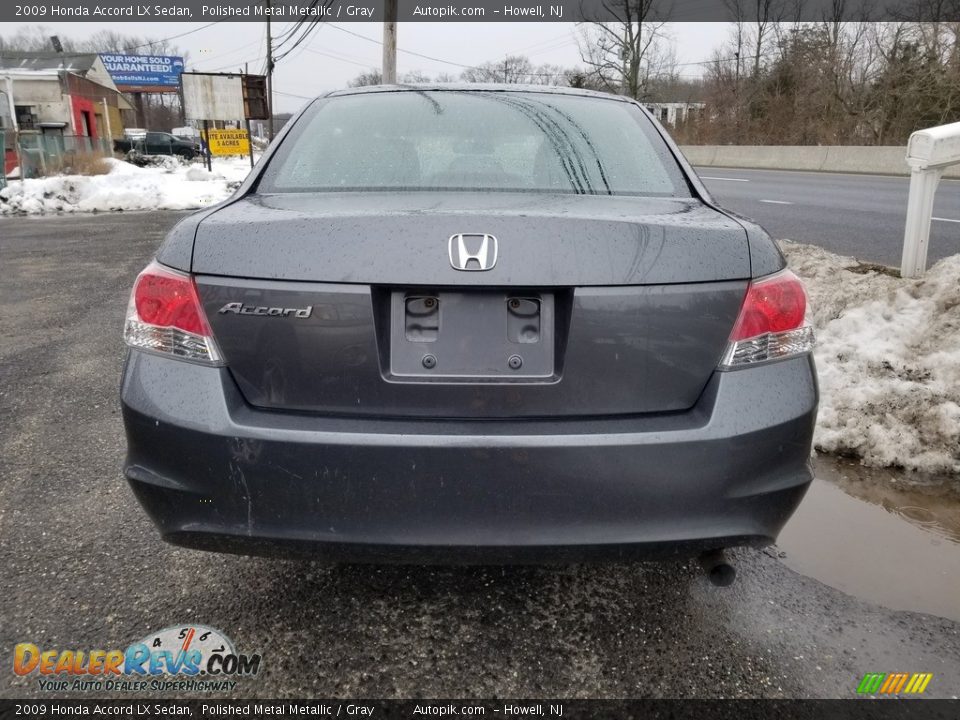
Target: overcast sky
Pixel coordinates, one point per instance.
(331, 57)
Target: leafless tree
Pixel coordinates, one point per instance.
(623, 55)
(34, 38)
(368, 77)
(515, 69)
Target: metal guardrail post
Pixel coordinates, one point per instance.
(916, 237)
(929, 153)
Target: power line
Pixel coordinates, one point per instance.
(407, 52)
(285, 35)
(234, 64)
(235, 50)
(293, 56)
(294, 95)
(330, 54)
(473, 67)
(303, 36)
(173, 37)
(565, 36)
(307, 26)
(547, 46)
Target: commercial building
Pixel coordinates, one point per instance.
(61, 103)
(675, 113)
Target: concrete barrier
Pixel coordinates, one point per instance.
(865, 159)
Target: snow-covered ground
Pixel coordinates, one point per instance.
(171, 186)
(888, 356)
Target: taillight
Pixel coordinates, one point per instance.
(165, 316)
(772, 323)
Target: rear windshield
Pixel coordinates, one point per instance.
(475, 141)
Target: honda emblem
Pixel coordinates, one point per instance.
(473, 251)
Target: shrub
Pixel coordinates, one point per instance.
(78, 163)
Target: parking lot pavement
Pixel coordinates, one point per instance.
(83, 568)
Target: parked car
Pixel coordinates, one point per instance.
(470, 324)
(190, 134)
(157, 143)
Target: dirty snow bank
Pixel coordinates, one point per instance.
(888, 356)
(170, 186)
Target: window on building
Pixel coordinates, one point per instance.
(25, 117)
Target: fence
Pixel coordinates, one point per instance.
(41, 154)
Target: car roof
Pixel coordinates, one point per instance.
(478, 87)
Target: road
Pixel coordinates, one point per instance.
(859, 215)
(84, 568)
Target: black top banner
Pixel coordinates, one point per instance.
(214, 709)
(481, 10)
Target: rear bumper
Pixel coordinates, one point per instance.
(214, 473)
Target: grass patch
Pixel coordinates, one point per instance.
(78, 164)
(862, 268)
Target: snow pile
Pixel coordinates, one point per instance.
(888, 356)
(167, 186)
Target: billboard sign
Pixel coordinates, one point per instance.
(212, 96)
(144, 73)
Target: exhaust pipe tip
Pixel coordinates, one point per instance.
(719, 571)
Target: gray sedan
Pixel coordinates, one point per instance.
(469, 324)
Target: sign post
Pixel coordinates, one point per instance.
(249, 141)
(206, 137)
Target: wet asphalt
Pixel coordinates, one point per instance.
(858, 215)
(82, 567)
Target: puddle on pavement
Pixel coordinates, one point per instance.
(880, 535)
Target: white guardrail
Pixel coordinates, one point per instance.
(929, 153)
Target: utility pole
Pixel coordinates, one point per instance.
(246, 120)
(389, 42)
(269, 75)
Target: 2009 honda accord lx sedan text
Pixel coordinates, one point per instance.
(469, 324)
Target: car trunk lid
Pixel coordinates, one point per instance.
(333, 303)
(402, 239)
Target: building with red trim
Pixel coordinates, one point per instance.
(65, 101)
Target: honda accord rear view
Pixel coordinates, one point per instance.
(469, 324)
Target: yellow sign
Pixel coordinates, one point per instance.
(229, 142)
